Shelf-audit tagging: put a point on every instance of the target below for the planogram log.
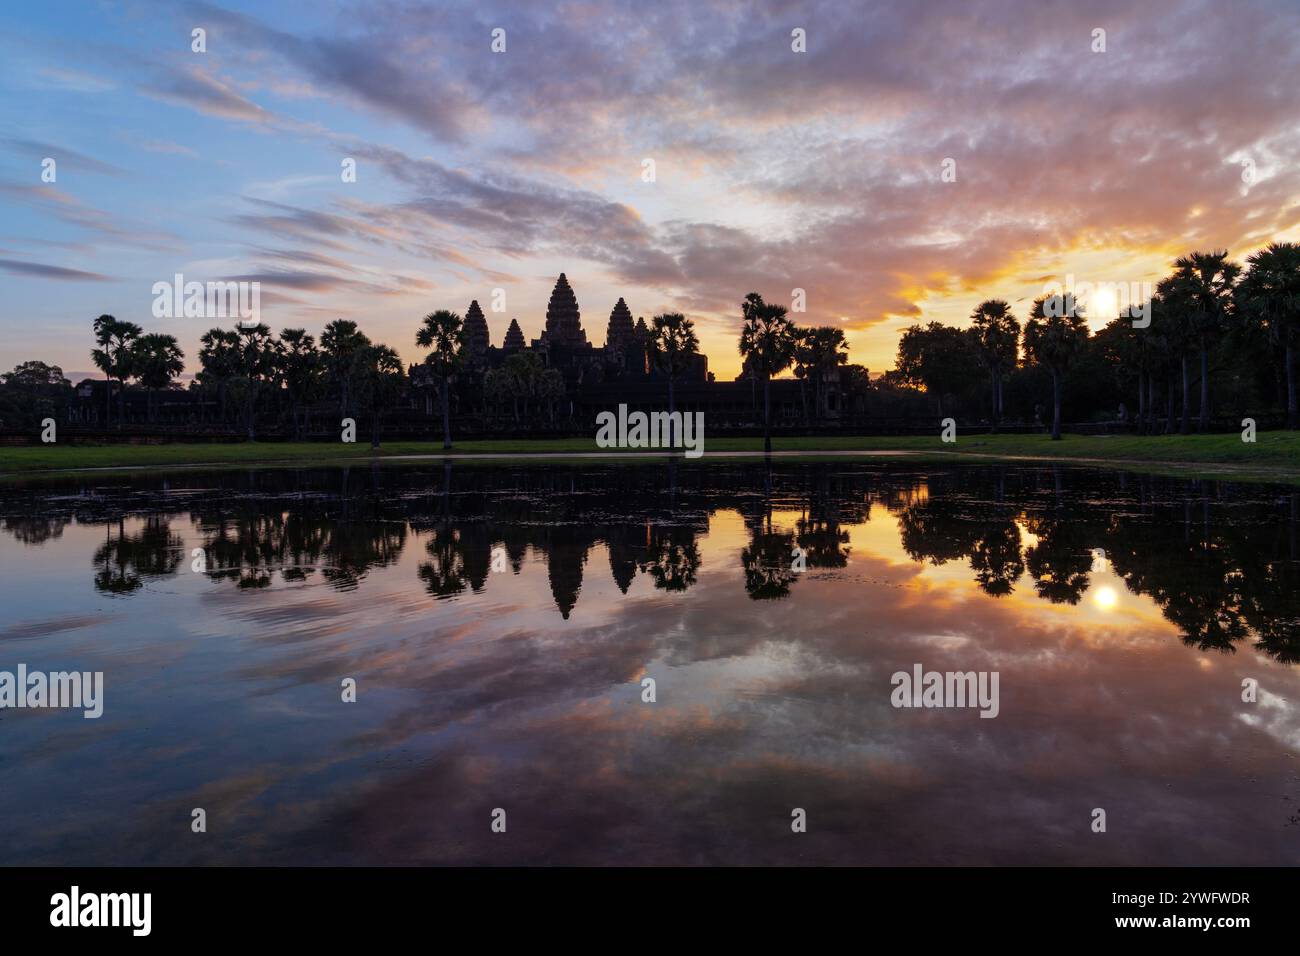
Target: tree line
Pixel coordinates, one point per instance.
(1208, 316)
(254, 375)
(1211, 321)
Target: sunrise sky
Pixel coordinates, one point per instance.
(774, 169)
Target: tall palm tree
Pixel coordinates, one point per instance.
(803, 361)
(1270, 293)
(1054, 336)
(1133, 351)
(1209, 278)
(300, 368)
(769, 337)
(377, 376)
(257, 366)
(672, 342)
(1148, 353)
(1165, 341)
(829, 351)
(156, 359)
(339, 341)
(997, 333)
(1175, 295)
(113, 358)
(818, 352)
(219, 358)
(443, 333)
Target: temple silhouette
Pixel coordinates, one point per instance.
(563, 344)
(620, 371)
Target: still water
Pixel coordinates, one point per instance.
(499, 622)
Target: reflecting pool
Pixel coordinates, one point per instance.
(501, 621)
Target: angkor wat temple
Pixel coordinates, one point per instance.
(563, 344)
(622, 370)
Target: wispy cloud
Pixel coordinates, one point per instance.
(41, 270)
(195, 88)
(73, 80)
(167, 147)
(64, 157)
(67, 208)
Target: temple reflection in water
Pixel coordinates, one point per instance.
(1219, 560)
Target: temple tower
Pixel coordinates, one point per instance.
(476, 333)
(619, 332)
(563, 321)
(514, 338)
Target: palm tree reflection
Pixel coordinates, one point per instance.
(1221, 562)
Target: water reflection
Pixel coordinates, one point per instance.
(124, 561)
(1220, 560)
(499, 620)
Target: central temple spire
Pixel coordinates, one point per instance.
(476, 332)
(563, 321)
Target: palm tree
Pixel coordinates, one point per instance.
(997, 333)
(300, 367)
(1163, 342)
(340, 341)
(1054, 336)
(1175, 295)
(377, 375)
(257, 365)
(769, 337)
(827, 351)
(219, 358)
(1270, 293)
(113, 358)
(802, 363)
(672, 343)
(1209, 278)
(155, 360)
(443, 333)
(1134, 351)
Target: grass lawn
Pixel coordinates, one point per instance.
(1276, 455)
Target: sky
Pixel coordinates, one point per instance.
(911, 160)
